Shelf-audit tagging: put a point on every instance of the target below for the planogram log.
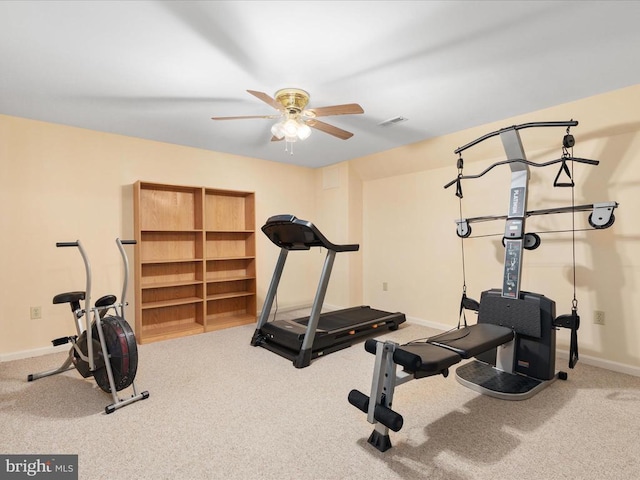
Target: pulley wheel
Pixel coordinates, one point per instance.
(463, 232)
(531, 241)
(123, 353)
(610, 222)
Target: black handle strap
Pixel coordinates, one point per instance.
(466, 303)
(573, 346)
(563, 169)
(572, 322)
(459, 187)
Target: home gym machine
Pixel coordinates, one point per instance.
(111, 356)
(513, 345)
(304, 339)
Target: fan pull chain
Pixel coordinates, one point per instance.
(286, 144)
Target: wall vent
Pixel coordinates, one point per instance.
(393, 121)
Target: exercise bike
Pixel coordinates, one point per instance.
(111, 355)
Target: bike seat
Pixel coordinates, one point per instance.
(68, 297)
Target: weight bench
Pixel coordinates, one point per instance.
(514, 348)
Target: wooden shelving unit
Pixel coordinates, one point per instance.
(230, 258)
(195, 260)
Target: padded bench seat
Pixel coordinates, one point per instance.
(437, 354)
(424, 360)
(473, 340)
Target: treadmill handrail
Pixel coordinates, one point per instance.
(291, 233)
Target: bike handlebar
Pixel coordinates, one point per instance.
(75, 244)
(67, 244)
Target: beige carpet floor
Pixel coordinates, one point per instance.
(221, 409)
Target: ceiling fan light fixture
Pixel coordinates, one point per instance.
(294, 122)
(290, 127)
(277, 130)
(303, 131)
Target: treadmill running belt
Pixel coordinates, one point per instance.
(345, 319)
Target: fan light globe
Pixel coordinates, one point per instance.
(303, 131)
(290, 128)
(277, 130)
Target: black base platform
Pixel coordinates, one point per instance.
(487, 379)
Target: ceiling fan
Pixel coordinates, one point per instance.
(295, 122)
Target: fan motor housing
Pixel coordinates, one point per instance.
(292, 99)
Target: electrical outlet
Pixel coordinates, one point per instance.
(385, 286)
(598, 317)
(36, 313)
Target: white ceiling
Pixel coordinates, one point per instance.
(160, 70)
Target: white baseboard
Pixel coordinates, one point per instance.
(606, 364)
(427, 323)
(37, 352)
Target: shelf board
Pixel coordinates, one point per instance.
(171, 303)
(164, 332)
(180, 283)
(230, 279)
(220, 323)
(170, 260)
(221, 296)
(218, 259)
(230, 231)
(170, 230)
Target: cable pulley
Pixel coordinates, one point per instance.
(458, 182)
(567, 142)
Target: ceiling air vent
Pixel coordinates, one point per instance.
(392, 121)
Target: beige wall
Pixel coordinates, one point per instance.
(339, 213)
(62, 183)
(409, 230)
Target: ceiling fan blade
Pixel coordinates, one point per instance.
(276, 139)
(266, 99)
(330, 129)
(347, 109)
(244, 117)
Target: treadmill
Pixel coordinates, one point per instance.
(306, 338)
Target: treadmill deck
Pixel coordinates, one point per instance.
(335, 328)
